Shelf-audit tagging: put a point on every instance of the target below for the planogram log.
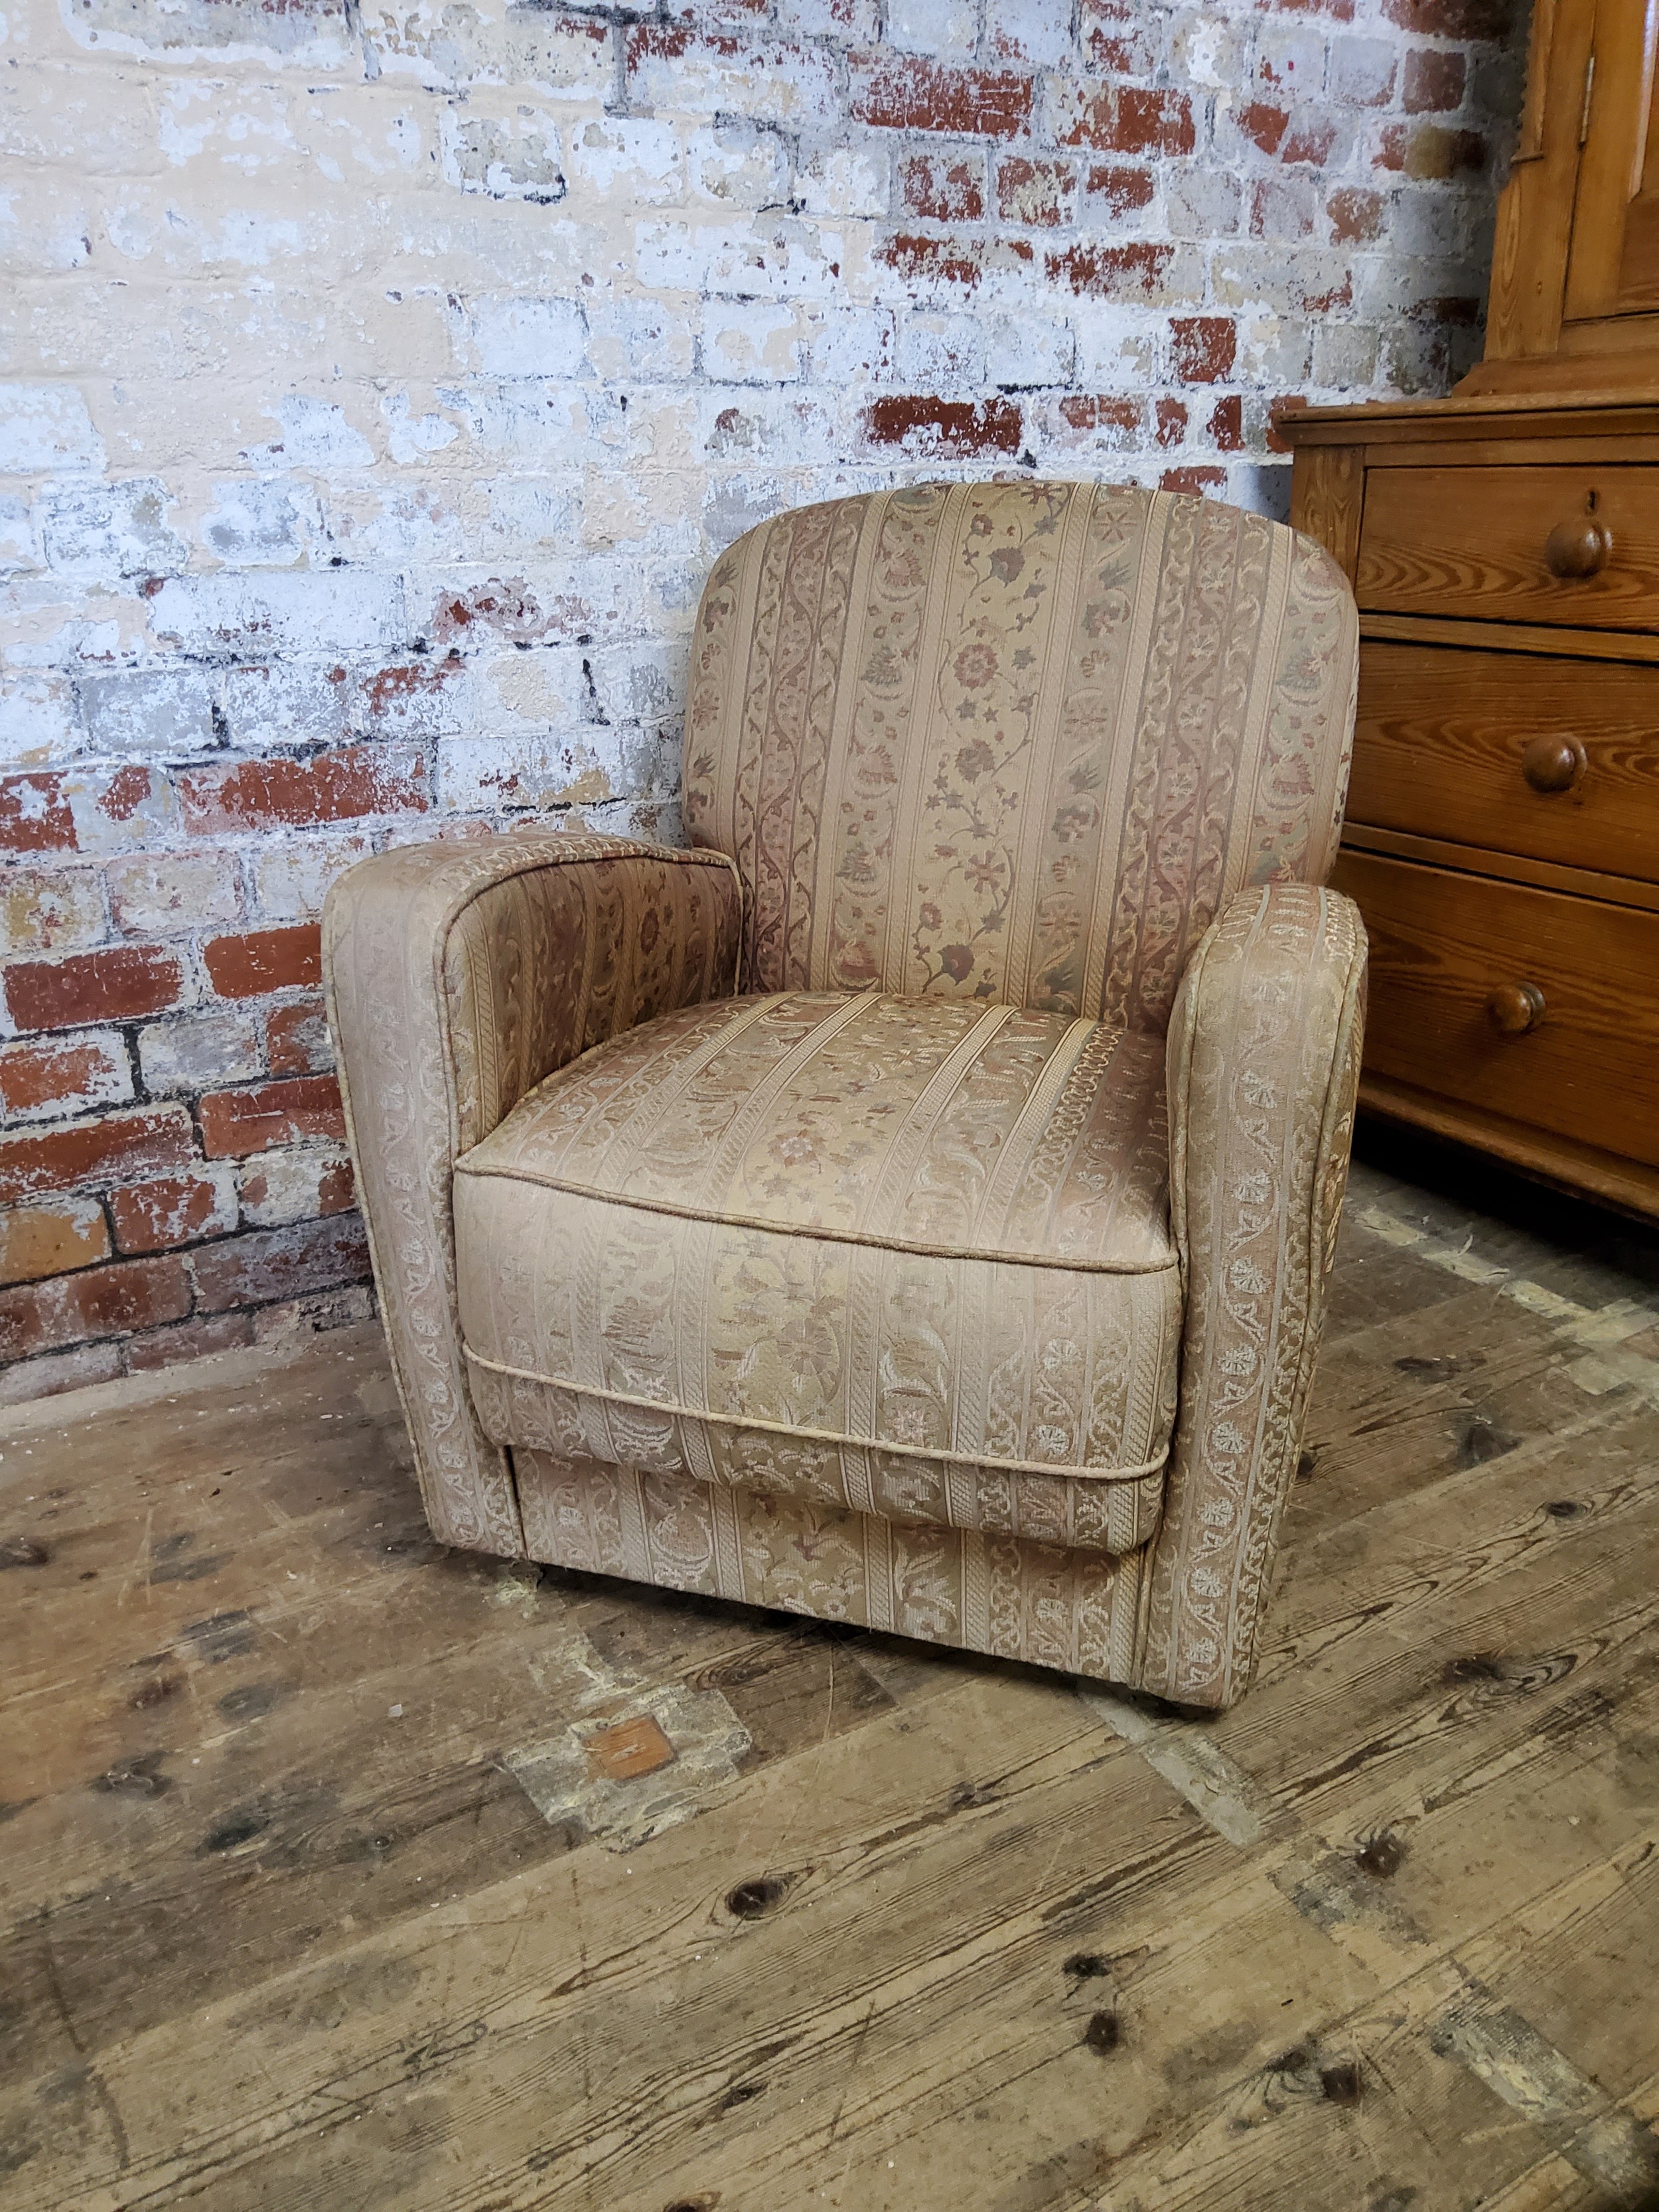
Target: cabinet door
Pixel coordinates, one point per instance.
(1612, 266)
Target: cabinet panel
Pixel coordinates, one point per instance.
(1575, 545)
(1528, 1003)
(1552, 757)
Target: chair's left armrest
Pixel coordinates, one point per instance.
(459, 974)
(1264, 1065)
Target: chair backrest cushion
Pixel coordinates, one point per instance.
(1015, 741)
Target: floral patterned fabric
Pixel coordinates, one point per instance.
(1015, 742)
(1079, 1610)
(909, 1257)
(457, 976)
(860, 1295)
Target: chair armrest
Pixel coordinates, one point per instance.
(1264, 1064)
(459, 975)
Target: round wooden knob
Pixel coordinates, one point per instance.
(1553, 763)
(1515, 1007)
(1578, 548)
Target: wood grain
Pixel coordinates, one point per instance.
(948, 1939)
(1432, 538)
(1441, 740)
(1441, 941)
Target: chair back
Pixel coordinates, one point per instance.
(1015, 741)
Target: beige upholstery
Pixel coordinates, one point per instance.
(865, 1293)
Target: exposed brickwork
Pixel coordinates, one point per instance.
(364, 493)
(237, 1122)
(265, 960)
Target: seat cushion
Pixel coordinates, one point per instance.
(907, 1256)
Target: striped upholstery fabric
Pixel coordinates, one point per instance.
(912, 1258)
(961, 1275)
(1016, 742)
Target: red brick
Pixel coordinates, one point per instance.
(267, 1264)
(306, 1187)
(152, 1217)
(943, 188)
(261, 960)
(37, 1241)
(946, 428)
(1450, 19)
(1118, 37)
(35, 815)
(237, 1122)
(946, 260)
(1227, 424)
(1112, 272)
(1264, 125)
(1434, 82)
(1039, 193)
(1124, 118)
(1119, 191)
(1429, 151)
(189, 1340)
(1192, 480)
(1355, 216)
(116, 1148)
(1170, 416)
(297, 1040)
(901, 91)
(1204, 348)
(1309, 141)
(1107, 411)
(107, 1301)
(70, 1077)
(119, 985)
(338, 787)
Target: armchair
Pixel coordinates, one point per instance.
(912, 1204)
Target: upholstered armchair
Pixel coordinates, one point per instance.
(911, 1205)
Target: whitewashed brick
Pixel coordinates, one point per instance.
(198, 1052)
(631, 161)
(933, 27)
(47, 426)
(749, 342)
(513, 156)
(100, 530)
(1029, 351)
(165, 894)
(291, 879)
(339, 610)
(37, 719)
(284, 703)
(275, 1188)
(508, 337)
(150, 710)
(260, 522)
(740, 164)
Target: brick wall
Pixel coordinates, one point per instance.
(382, 376)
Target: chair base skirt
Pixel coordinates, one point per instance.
(1081, 1612)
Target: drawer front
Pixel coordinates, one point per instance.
(1517, 752)
(1522, 545)
(1529, 1003)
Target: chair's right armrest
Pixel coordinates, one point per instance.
(459, 975)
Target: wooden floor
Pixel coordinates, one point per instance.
(318, 1892)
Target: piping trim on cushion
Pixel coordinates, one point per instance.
(930, 1251)
(671, 1411)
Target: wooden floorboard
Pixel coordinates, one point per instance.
(294, 1918)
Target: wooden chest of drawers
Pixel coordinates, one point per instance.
(1503, 824)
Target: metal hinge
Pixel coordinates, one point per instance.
(1589, 87)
